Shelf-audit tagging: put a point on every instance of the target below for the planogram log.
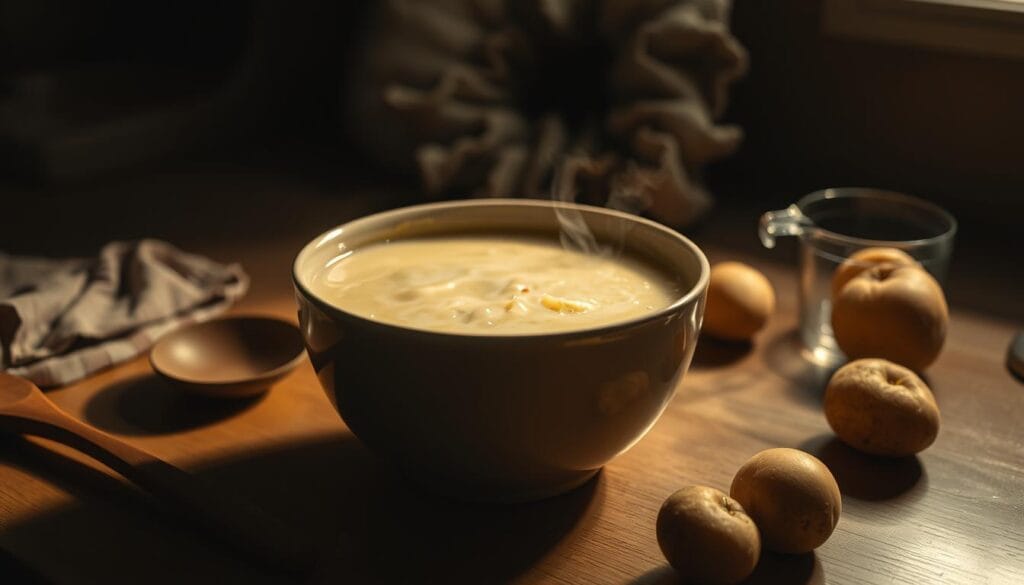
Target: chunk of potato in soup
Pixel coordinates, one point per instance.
(492, 285)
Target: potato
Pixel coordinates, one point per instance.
(893, 312)
(862, 260)
(882, 408)
(707, 537)
(791, 496)
(740, 300)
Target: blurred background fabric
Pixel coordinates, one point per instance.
(616, 99)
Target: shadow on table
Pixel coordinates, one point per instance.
(786, 355)
(868, 477)
(772, 569)
(716, 353)
(147, 405)
(663, 575)
(404, 535)
(365, 522)
(17, 572)
(779, 569)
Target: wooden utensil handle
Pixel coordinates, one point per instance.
(240, 524)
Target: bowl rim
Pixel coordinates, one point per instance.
(689, 297)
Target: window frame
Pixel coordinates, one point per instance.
(985, 27)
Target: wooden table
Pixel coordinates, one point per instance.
(955, 514)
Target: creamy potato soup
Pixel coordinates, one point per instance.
(491, 285)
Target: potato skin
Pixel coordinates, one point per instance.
(893, 312)
(792, 497)
(881, 408)
(707, 537)
(862, 260)
(740, 300)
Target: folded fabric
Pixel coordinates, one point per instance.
(61, 320)
(618, 99)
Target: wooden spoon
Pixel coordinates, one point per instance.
(231, 357)
(25, 409)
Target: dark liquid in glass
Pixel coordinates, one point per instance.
(876, 227)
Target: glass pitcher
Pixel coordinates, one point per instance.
(832, 224)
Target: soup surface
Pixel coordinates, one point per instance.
(492, 285)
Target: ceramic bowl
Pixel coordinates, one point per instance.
(492, 417)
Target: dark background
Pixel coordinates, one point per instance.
(234, 88)
(823, 111)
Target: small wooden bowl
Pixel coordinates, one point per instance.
(230, 357)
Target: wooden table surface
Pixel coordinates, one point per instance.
(954, 514)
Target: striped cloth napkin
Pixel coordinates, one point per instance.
(62, 320)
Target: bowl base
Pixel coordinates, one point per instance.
(512, 496)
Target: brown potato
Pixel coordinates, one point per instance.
(894, 312)
(882, 408)
(707, 537)
(861, 260)
(792, 497)
(740, 301)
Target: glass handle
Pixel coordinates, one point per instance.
(784, 222)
